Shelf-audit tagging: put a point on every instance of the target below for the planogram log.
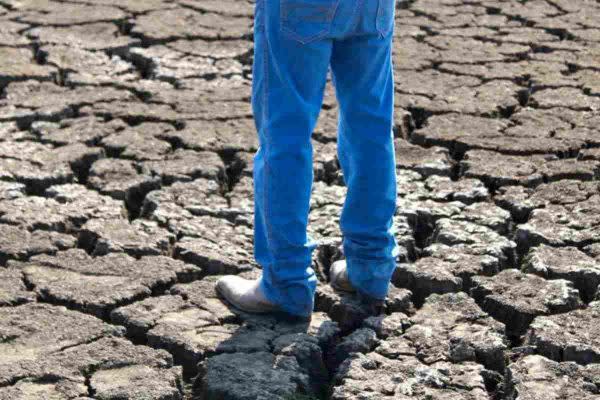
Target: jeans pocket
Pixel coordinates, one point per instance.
(385, 16)
(307, 20)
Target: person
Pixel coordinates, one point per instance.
(296, 44)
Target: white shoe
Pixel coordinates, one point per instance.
(338, 277)
(245, 294)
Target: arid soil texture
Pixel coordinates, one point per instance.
(126, 150)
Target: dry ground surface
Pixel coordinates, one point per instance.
(126, 144)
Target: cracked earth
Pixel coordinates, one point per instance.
(126, 149)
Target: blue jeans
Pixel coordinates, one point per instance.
(295, 43)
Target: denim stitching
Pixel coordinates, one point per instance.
(265, 115)
(301, 39)
(333, 10)
(304, 40)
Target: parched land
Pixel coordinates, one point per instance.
(126, 150)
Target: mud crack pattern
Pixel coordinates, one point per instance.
(126, 149)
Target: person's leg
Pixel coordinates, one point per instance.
(291, 59)
(364, 82)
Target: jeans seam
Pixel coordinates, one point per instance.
(301, 39)
(265, 115)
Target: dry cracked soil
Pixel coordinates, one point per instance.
(126, 149)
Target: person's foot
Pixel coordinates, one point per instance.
(245, 294)
(338, 277)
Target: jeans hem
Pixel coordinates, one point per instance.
(371, 277)
(273, 298)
